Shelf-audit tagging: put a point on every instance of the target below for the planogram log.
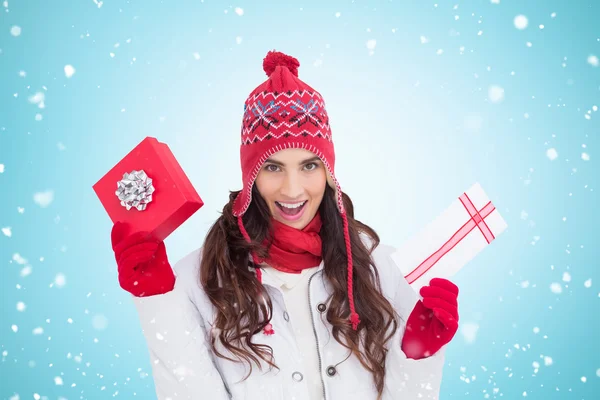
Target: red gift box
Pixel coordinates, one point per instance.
(173, 200)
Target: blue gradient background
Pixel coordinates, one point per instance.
(413, 129)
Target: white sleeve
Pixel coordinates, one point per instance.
(406, 377)
(181, 359)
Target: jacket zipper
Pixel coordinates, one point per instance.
(316, 337)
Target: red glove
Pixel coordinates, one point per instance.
(144, 269)
(434, 320)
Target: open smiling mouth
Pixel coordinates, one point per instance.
(290, 209)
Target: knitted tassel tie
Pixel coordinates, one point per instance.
(354, 318)
(268, 329)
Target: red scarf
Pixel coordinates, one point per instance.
(293, 249)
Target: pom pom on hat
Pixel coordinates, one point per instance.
(276, 59)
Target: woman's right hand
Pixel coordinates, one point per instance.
(143, 266)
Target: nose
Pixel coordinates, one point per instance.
(291, 186)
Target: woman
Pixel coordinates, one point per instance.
(289, 297)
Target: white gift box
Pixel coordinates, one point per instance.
(448, 243)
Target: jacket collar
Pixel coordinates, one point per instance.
(284, 280)
(273, 281)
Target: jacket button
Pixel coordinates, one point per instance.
(321, 307)
(297, 376)
(286, 316)
(331, 371)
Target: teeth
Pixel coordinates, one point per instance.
(286, 205)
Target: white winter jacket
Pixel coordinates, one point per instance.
(176, 326)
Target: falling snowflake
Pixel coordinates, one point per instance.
(521, 22)
(496, 94)
(469, 331)
(38, 98)
(556, 288)
(60, 280)
(371, 44)
(69, 71)
(551, 154)
(43, 199)
(99, 322)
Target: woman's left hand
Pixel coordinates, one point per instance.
(434, 320)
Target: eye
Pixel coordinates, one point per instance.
(268, 168)
(315, 165)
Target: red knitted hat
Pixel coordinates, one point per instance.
(284, 112)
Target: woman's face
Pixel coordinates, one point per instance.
(292, 182)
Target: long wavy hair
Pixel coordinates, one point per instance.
(230, 282)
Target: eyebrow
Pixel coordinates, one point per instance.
(271, 161)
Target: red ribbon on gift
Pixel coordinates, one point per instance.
(477, 219)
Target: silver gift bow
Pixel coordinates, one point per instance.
(135, 190)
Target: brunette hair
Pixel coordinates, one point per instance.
(230, 282)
